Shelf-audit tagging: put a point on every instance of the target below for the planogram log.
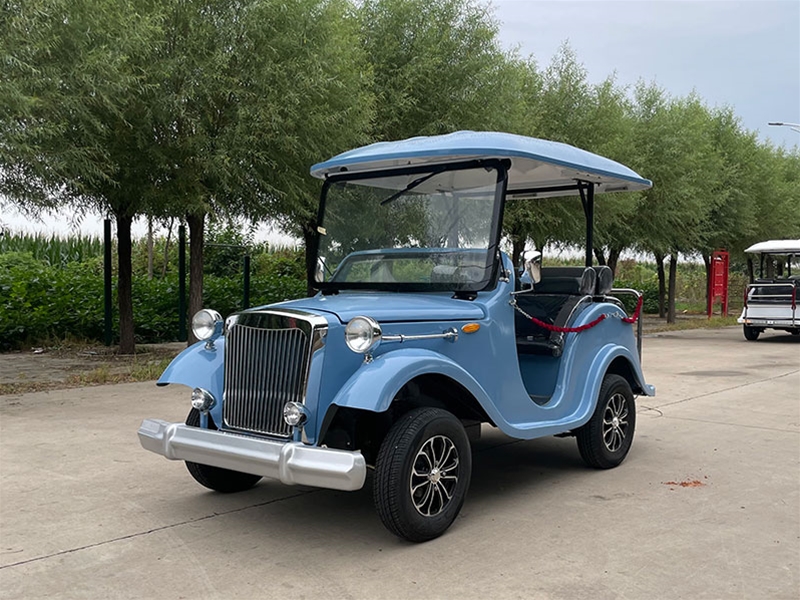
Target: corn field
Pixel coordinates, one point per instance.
(54, 250)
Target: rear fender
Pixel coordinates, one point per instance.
(607, 359)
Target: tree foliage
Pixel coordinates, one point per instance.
(185, 108)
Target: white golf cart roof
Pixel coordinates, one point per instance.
(537, 166)
(776, 247)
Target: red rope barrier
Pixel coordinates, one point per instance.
(597, 321)
(636, 312)
(568, 329)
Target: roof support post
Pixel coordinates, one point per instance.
(587, 199)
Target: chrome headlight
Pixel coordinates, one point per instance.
(362, 334)
(295, 414)
(207, 324)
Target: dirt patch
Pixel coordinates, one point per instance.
(59, 368)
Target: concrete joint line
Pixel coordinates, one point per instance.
(155, 530)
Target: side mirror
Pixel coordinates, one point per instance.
(533, 266)
(319, 272)
(534, 270)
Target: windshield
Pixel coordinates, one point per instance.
(423, 231)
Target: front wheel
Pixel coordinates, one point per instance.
(605, 440)
(215, 478)
(751, 333)
(422, 474)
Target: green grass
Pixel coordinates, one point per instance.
(683, 324)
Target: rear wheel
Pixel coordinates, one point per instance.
(215, 478)
(605, 440)
(751, 333)
(422, 474)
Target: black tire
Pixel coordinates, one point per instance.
(423, 445)
(605, 440)
(751, 333)
(795, 331)
(215, 478)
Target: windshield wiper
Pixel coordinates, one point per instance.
(411, 186)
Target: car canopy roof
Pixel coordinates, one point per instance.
(776, 247)
(539, 168)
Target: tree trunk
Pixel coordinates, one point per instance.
(707, 262)
(662, 286)
(196, 231)
(517, 248)
(613, 259)
(149, 247)
(166, 250)
(309, 235)
(600, 256)
(127, 342)
(673, 269)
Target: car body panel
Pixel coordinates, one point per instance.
(501, 385)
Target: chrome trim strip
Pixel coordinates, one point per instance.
(450, 334)
(293, 463)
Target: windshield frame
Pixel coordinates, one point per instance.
(501, 167)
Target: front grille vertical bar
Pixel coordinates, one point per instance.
(280, 371)
(273, 370)
(264, 369)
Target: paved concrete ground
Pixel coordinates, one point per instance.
(86, 513)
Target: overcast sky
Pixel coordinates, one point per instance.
(744, 54)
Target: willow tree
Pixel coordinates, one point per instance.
(176, 107)
(256, 92)
(674, 146)
(438, 66)
(75, 115)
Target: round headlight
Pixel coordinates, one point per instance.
(202, 400)
(362, 334)
(207, 324)
(294, 414)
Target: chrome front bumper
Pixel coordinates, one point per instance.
(290, 462)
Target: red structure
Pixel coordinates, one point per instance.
(718, 282)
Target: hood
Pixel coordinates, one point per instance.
(391, 307)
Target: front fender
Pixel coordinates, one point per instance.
(197, 367)
(375, 385)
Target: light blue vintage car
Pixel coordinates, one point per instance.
(421, 332)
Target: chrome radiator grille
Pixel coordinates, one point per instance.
(264, 369)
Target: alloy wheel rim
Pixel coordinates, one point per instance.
(434, 476)
(615, 422)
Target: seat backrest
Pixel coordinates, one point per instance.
(567, 280)
(605, 280)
